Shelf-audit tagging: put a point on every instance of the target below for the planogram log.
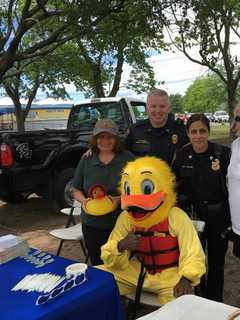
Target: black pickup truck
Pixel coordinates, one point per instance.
(43, 162)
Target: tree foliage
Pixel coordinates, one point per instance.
(124, 37)
(213, 27)
(206, 94)
(45, 73)
(176, 101)
(31, 30)
(48, 23)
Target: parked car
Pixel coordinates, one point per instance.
(210, 116)
(221, 116)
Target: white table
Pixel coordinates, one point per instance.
(190, 307)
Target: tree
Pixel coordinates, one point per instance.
(176, 101)
(213, 27)
(124, 37)
(30, 30)
(206, 94)
(55, 22)
(45, 73)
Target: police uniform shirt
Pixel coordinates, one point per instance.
(91, 171)
(201, 176)
(144, 139)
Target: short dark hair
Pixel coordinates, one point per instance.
(93, 144)
(198, 117)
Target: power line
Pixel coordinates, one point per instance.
(165, 59)
(180, 80)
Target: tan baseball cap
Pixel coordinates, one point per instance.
(105, 125)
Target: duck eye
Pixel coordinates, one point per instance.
(126, 188)
(147, 187)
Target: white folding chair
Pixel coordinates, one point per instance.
(147, 299)
(71, 231)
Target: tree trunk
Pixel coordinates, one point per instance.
(97, 79)
(5, 64)
(19, 118)
(118, 74)
(231, 91)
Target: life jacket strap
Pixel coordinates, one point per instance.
(154, 252)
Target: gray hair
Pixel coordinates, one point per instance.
(157, 92)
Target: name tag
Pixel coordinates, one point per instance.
(142, 142)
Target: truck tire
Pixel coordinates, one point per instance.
(62, 188)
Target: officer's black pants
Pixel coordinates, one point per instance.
(236, 245)
(216, 249)
(94, 238)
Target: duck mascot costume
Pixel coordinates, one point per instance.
(153, 233)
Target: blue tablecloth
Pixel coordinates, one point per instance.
(97, 298)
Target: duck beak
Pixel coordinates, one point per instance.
(144, 201)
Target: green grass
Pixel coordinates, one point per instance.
(220, 133)
(219, 130)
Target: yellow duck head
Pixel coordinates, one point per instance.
(147, 191)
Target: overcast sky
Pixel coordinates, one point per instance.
(176, 71)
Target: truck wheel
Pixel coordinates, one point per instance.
(62, 188)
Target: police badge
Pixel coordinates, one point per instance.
(174, 138)
(216, 165)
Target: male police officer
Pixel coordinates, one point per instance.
(160, 135)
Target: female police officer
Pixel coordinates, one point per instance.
(201, 168)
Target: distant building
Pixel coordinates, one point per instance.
(48, 113)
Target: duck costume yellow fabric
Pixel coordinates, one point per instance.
(168, 247)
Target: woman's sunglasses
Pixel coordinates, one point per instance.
(68, 285)
(237, 119)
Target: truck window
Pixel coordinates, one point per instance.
(86, 115)
(139, 110)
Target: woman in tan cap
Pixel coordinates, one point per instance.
(95, 185)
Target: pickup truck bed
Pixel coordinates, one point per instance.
(41, 160)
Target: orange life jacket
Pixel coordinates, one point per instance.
(157, 249)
